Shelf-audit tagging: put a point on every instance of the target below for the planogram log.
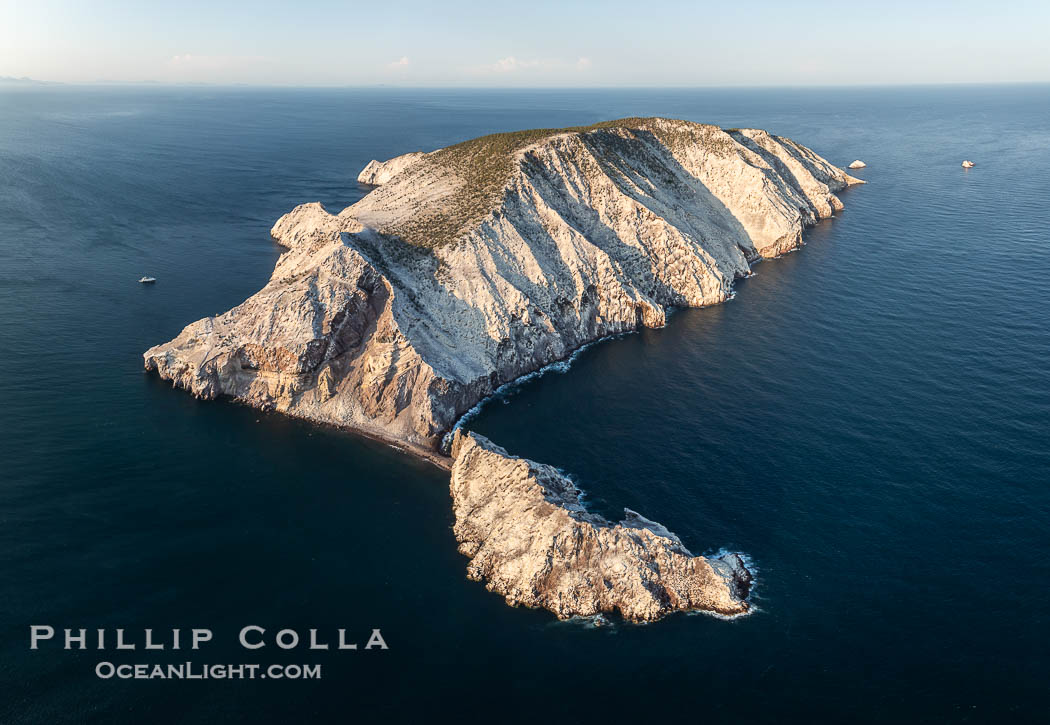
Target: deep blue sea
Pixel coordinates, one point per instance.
(869, 420)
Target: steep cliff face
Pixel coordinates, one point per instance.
(530, 539)
(475, 264)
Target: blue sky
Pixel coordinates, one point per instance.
(574, 44)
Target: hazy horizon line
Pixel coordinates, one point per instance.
(26, 81)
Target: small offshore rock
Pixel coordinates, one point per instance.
(858, 164)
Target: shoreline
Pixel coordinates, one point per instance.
(437, 456)
(562, 365)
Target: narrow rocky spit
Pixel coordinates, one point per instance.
(471, 266)
(530, 539)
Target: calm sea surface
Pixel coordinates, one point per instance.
(868, 419)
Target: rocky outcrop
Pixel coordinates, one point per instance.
(377, 173)
(531, 540)
(858, 164)
(473, 265)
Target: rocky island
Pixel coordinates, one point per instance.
(470, 266)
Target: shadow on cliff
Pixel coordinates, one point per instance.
(643, 170)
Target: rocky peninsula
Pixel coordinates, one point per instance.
(529, 537)
(475, 264)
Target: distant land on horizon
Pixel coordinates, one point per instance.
(25, 81)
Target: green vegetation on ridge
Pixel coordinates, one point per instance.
(485, 164)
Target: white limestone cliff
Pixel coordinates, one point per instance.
(485, 261)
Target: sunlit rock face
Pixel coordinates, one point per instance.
(475, 264)
(377, 173)
(530, 539)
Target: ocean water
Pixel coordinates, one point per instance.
(868, 420)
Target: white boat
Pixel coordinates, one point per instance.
(967, 164)
(148, 280)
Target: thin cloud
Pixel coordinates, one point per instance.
(512, 64)
(402, 62)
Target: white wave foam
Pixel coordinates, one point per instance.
(753, 569)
